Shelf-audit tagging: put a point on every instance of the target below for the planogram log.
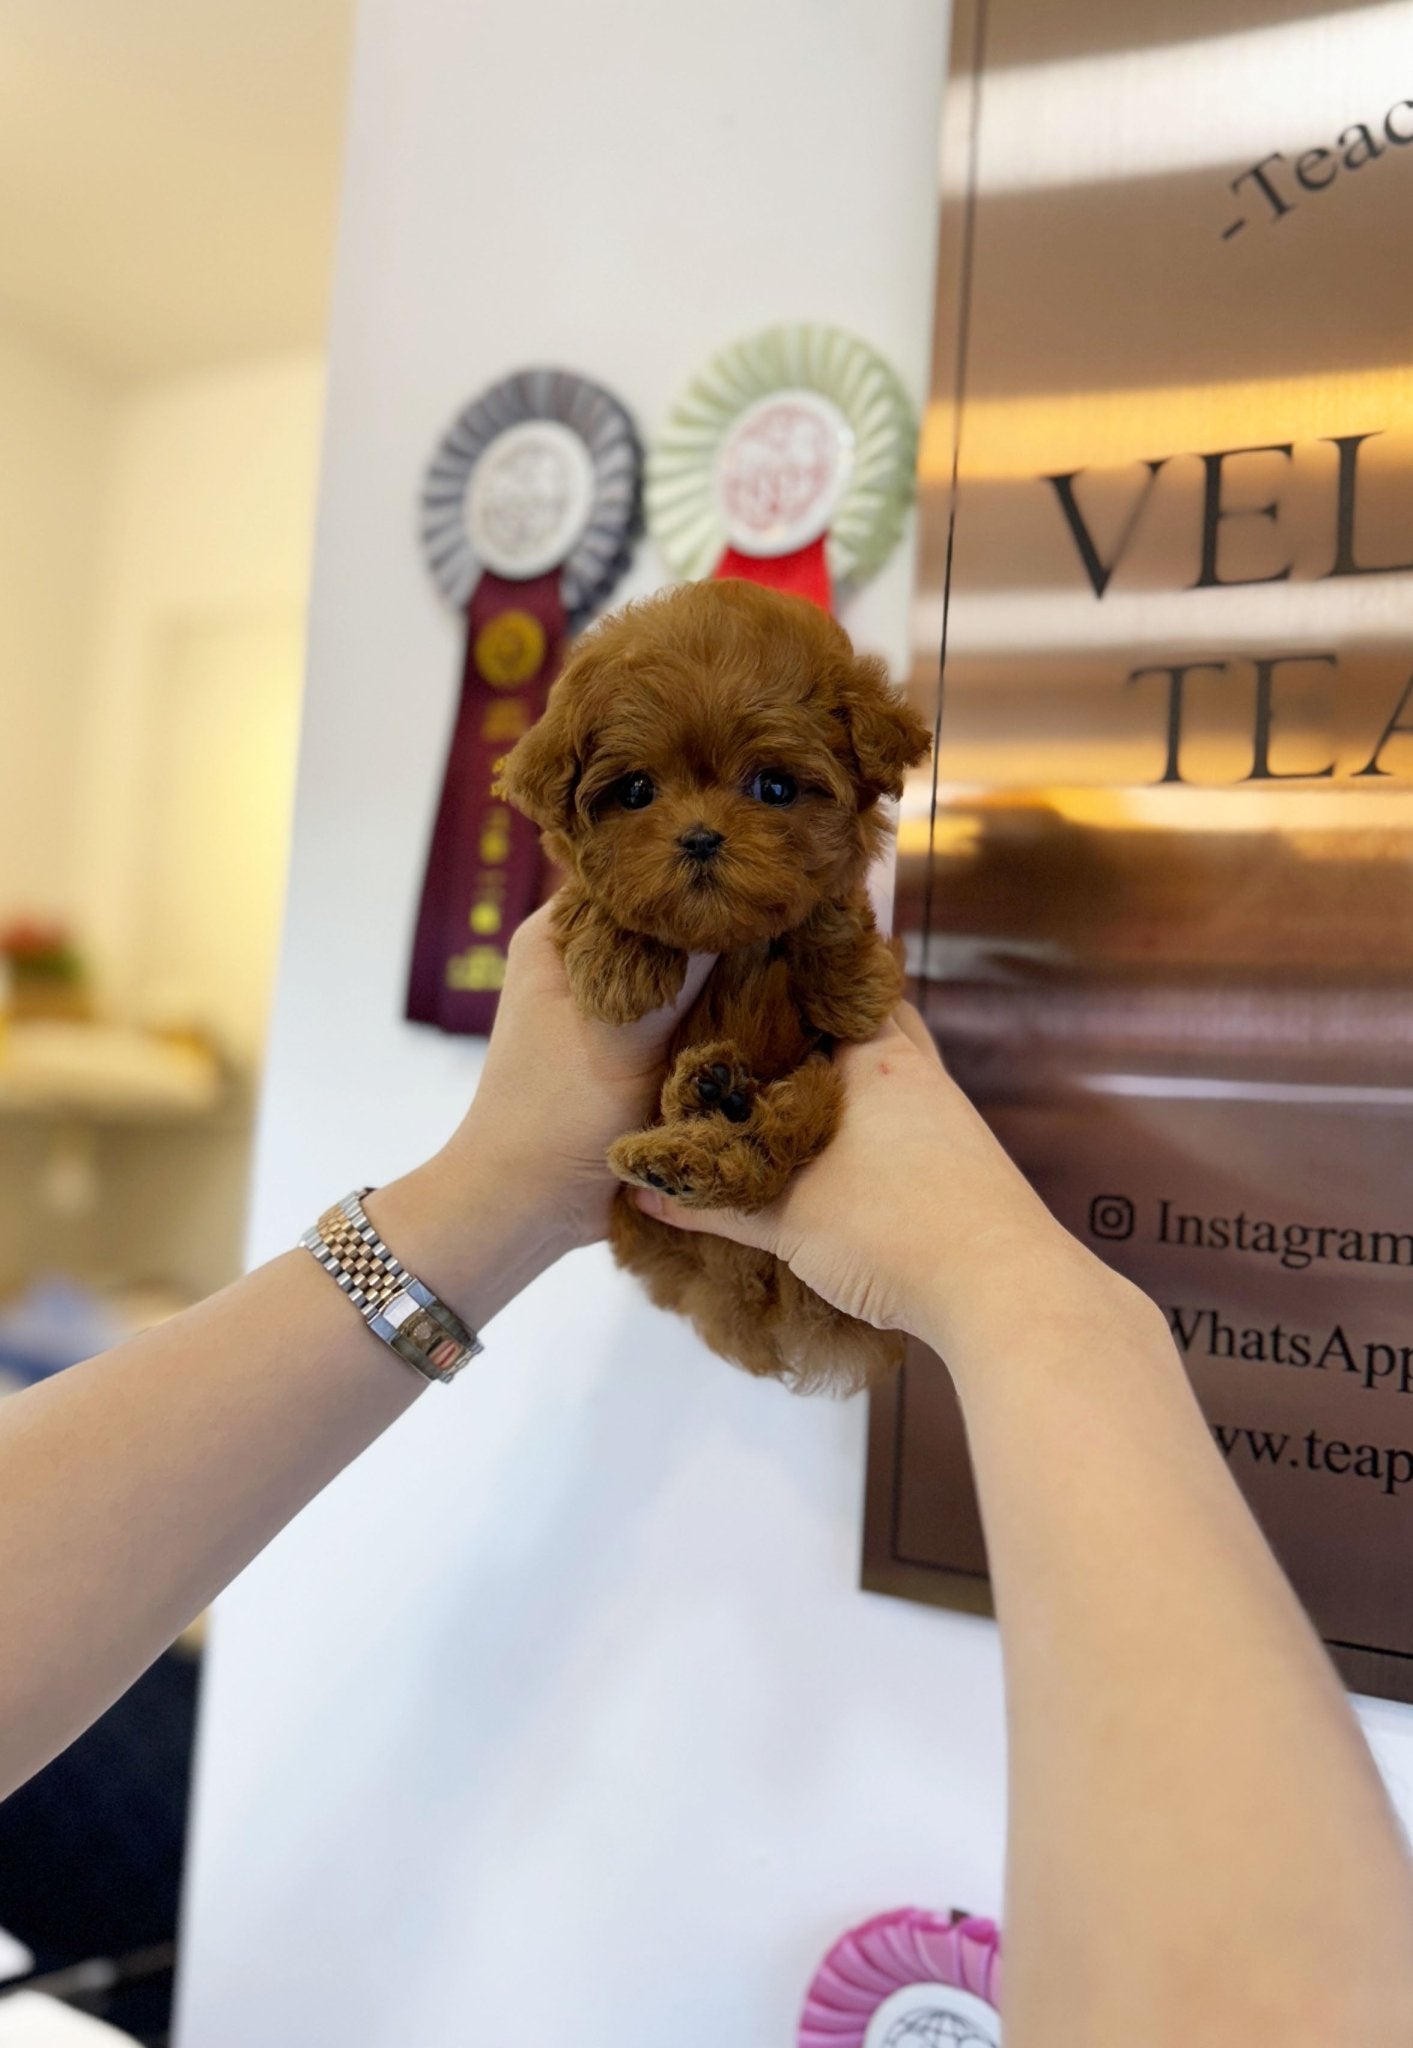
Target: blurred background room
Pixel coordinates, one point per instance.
(168, 188)
(590, 1650)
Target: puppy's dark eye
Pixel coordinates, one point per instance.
(774, 786)
(635, 792)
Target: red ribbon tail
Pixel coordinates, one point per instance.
(805, 573)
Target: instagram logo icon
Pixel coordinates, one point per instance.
(1111, 1217)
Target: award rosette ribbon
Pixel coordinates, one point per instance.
(528, 514)
(908, 1979)
(790, 460)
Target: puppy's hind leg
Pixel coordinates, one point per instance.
(739, 1150)
(710, 1080)
(791, 1121)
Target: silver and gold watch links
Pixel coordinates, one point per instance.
(394, 1303)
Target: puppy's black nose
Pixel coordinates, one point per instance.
(701, 842)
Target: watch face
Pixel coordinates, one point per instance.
(432, 1341)
(781, 472)
(934, 2016)
(416, 1330)
(530, 497)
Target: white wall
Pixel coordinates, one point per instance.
(152, 538)
(56, 428)
(156, 544)
(202, 594)
(559, 1719)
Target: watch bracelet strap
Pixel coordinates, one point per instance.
(397, 1306)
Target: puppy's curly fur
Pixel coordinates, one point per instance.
(708, 770)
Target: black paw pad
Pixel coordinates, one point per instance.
(654, 1180)
(716, 1090)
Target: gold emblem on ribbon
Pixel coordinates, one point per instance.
(510, 648)
(479, 970)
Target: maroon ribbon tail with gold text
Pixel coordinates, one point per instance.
(484, 867)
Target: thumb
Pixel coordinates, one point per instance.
(760, 1230)
(656, 1027)
(699, 966)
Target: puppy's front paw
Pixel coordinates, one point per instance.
(622, 978)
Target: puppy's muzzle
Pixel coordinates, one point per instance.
(701, 843)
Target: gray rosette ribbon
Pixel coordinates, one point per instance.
(529, 511)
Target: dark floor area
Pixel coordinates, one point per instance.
(91, 1856)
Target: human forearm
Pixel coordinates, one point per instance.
(1200, 1845)
(1200, 1849)
(132, 1488)
(135, 1486)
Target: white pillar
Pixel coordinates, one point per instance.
(560, 1718)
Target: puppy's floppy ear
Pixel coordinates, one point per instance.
(541, 772)
(886, 736)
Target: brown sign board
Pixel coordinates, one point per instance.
(1157, 890)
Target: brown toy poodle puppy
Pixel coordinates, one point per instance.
(708, 770)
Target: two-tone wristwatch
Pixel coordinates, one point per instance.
(395, 1304)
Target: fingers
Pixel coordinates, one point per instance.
(532, 957)
(758, 1230)
(654, 1029)
(910, 1022)
(905, 1023)
(532, 934)
(699, 966)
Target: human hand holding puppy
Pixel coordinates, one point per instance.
(556, 1090)
(1141, 1614)
(913, 1218)
(709, 771)
(905, 1221)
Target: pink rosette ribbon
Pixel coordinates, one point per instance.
(908, 1979)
